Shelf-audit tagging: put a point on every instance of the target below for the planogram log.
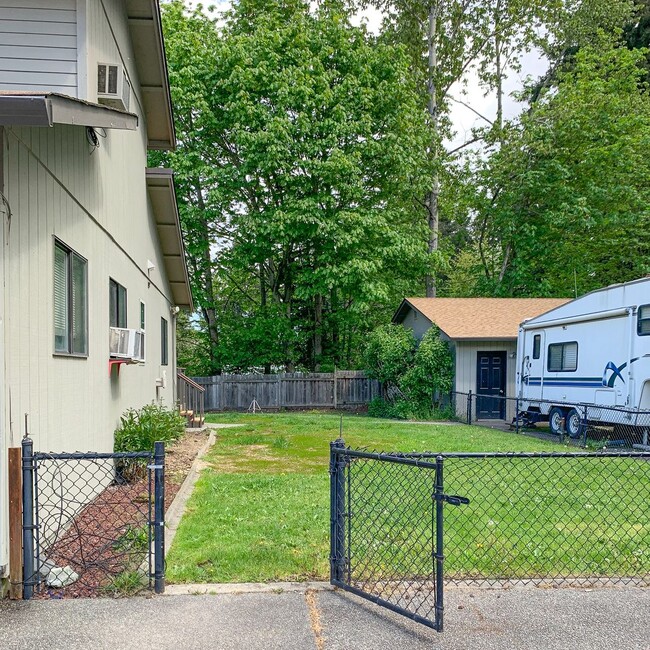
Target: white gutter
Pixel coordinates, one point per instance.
(602, 315)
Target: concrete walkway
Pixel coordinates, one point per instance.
(321, 619)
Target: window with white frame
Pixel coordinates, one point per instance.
(70, 301)
(142, 326)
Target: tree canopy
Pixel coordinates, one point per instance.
(302, 146)
(318, 184)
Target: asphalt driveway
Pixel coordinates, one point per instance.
(321, 619)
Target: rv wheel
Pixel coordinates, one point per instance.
(555, 417)
(573, 423)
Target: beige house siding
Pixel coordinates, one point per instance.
(465, 369)
(38, 45)
(53, 186)
(107, 40)
(96, 202)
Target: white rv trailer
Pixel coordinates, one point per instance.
(592, 350)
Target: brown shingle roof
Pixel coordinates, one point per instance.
(479, 318)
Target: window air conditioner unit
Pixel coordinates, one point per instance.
(126, 344)
(113, 88)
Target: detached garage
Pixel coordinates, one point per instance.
(482, 332)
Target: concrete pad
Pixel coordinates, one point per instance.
(475, 619)
(530, 619)
(243, 622)
(196, 589)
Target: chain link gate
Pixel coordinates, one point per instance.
(93, 523)
(540, 518)
(387, 530)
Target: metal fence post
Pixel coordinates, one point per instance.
(585, 420)
(469, 407)
(337, 511)
(439, 553)
(517, 414)
(28, 517)
(159, 517)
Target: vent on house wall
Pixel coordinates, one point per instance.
(113, 88)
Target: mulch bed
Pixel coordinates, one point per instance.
(106, 541)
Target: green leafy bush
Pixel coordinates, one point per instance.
(140, 428)
(389, 353)
(403, 409)
(416, 375)
(431, 373)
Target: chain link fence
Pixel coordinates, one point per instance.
(586, 425)
(559, 520)
(93, 523)
(550, 519)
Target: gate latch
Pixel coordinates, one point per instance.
(451, 499)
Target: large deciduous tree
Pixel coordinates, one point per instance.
(302, 145)
(448, 39)
(569, 192)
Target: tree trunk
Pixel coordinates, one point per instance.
(209, 312)
(334, 327)
(432, 199)
(267, 366)
(318, 331)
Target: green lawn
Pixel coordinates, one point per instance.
(260, 511)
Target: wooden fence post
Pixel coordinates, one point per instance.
(15, 524)
(335, 390)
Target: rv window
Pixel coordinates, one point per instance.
(563, 357)
(643, 324)
(537, 344)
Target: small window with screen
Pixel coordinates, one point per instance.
(563, 357)
(537, 344)
(643, 322)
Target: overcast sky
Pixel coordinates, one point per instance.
(463, 119)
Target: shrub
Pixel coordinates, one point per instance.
(140, 428)
(431, 373)
(400, 409)
(415, 375)
(389, 353)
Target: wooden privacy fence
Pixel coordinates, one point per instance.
(343, 388)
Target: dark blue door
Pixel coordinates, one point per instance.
(491, 385)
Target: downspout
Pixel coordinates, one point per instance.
(172, 335)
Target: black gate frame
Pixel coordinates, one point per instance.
(340, 522)
(156, 520)
(340, 461)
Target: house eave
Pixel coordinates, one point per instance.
(145, 27)
(48, 109)
(160, 186)
(402, 310)
(469, 339)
